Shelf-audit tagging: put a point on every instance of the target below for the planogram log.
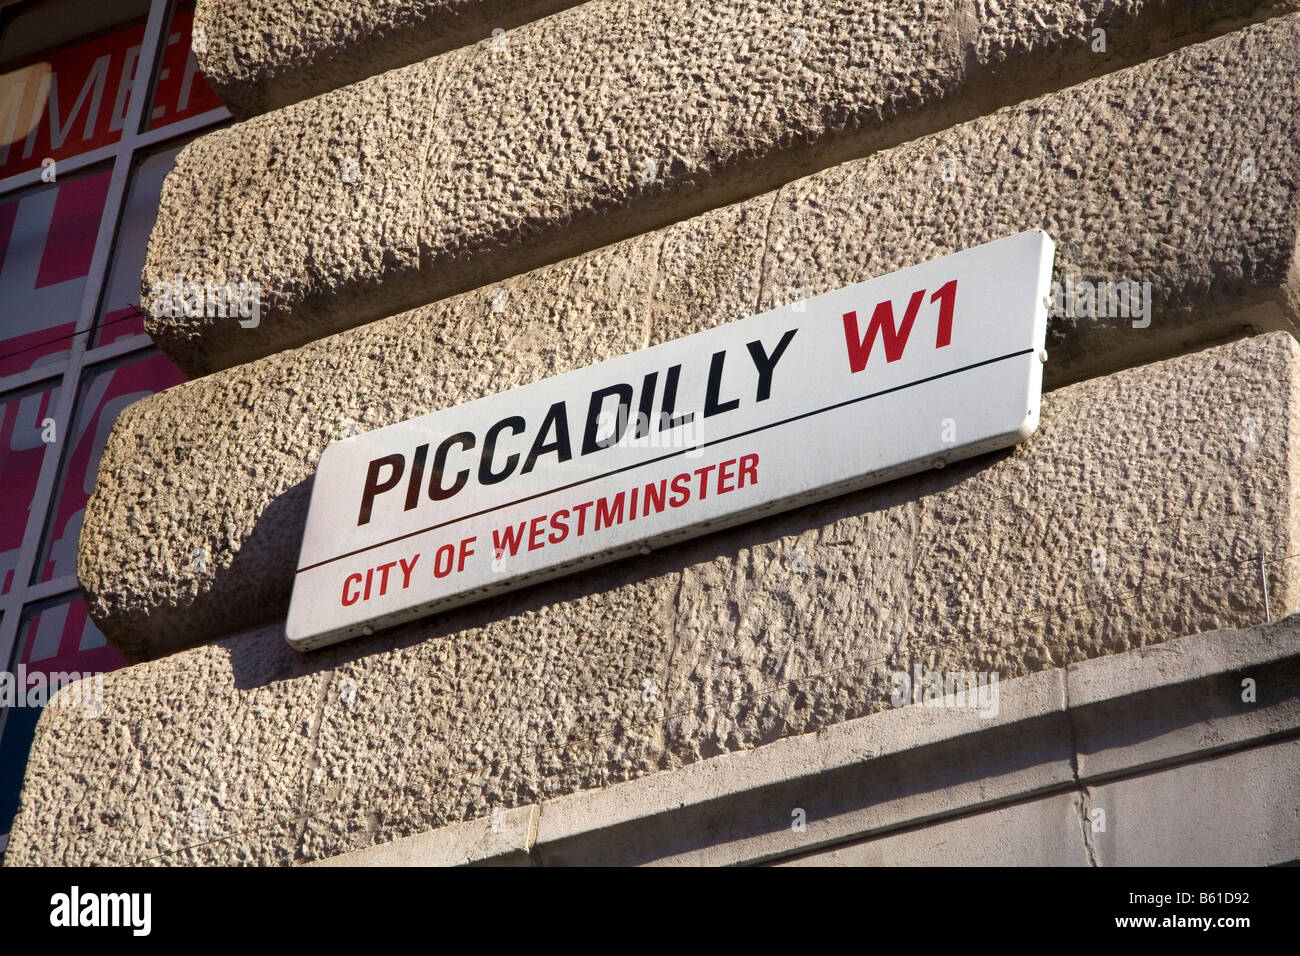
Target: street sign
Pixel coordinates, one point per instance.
(877, 380)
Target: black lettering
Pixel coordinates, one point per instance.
(624, 393)
(486, 475)
(375, 487)
(711, 404)
(557, 417)
(417, 475)
(436, 490)
(666, 420)
(766, 364)
(647, 405)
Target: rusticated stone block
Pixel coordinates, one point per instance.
(259, 55)
(223, 464)
(620, 116)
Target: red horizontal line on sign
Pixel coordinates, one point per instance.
(672, 454)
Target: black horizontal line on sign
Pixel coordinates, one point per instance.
(672, 454)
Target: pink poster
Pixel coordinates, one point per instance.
(74, 99)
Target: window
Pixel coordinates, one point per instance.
(84, 150)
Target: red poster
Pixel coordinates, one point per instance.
(47, 238)
(21, 452)
(62, 639)
(74, 99)
(103, 397)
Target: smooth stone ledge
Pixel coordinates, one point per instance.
(1233, 809)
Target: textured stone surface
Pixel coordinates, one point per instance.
(993, 564)
(239, 447)
(856, 779)
(953, 780)
(902, 766)
(262, 54)
(503, 839)
(616, 117)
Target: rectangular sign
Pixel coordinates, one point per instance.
(888, 377)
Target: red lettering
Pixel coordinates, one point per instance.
(947, 297)
(654, 497)
(748, 466)
(512, 537)
(536, 533)
(441, 567)
(681, 490)
(351, 578)
(724, 476)
(882, 321)
(383, 578)
(704, 480)
(607, 514)
(560, 523)
(406, 571)
(582, 516)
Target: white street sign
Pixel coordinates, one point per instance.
(891, 376)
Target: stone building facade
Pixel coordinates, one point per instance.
(421, 204)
